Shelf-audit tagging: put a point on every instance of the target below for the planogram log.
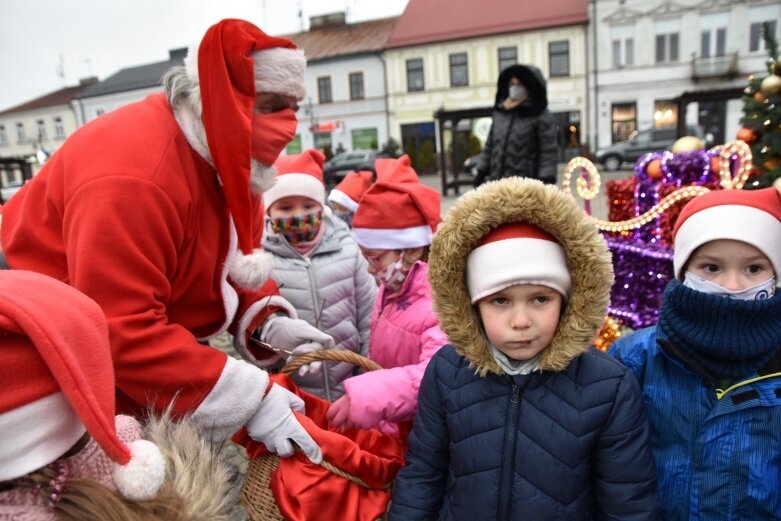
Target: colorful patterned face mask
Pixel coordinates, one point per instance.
(298, 228)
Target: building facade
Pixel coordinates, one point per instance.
(652, 60)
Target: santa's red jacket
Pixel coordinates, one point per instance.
(128, 213)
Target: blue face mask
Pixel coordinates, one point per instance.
(762, 291)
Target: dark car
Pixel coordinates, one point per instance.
(640, 142)
(336, 167)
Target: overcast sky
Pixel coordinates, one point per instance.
(99, 37)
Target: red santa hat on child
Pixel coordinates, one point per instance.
(298, 174)
(350, 189)
(58, 381)
(750, 216)
(233, 62)
(397, 215)
(516, 253)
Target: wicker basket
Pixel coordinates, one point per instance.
(256, 495)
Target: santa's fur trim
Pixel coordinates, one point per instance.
(143, 475)
(278, 70)
(250, 271)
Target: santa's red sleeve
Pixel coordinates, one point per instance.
(121, 251)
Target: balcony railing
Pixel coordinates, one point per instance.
(715, 67)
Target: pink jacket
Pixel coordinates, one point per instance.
(405, 334)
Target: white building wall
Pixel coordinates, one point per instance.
(87, 109)
(11, 145)
(644, 82)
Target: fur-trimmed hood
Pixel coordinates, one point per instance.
(520, 200)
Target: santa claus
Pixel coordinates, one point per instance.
(152, 211)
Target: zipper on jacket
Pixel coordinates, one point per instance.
(506, 476)
(318, 313)
(721, 392)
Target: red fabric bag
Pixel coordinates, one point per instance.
(306, 491)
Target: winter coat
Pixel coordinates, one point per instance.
(205, 475)
(717, 450)
(128, 213)
(405, 334)
(333, 291)
(522, 141)
(566, 442)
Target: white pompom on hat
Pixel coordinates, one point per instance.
(58, 382)
(516, 253)
(750, 216)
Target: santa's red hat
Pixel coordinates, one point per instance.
(397, 215)
(58, 382)
(349, 191)
(517, 253)
(233, 62)
(298, 174)
(750, 216)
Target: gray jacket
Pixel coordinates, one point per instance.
(332, 284)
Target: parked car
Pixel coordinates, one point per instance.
(336, 167)
(640, 142)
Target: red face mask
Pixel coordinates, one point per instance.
(271, 133)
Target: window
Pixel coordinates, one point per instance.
(756, 40)
(21, 135)
(624, 120)
(59, 128)
(41, 130)
(459, 70)
(665, 114)
(364, 139)
(623, 37)
(709, 47)
(507, 56)
(356, 85)
(558, 58)
(294, 147)
(415, 75)
(667, 47)
(99, 112)
(3, 135)
(324, 89)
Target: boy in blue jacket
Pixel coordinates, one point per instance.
(711, 368)
(519, 418)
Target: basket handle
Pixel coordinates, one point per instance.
(331, 355)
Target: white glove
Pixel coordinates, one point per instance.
(297, 336)
(275, 426)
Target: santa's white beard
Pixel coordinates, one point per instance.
(261, 177)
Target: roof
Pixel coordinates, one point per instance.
(58, 97)
(136, 78)
(320, 43)
(430, 21)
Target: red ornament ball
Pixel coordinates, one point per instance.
(654, 169)
(759, 96)
(747, 135)
(715, 164)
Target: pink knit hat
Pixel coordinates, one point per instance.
(516, 253)
(58, 382)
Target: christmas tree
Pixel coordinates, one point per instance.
(762, 118)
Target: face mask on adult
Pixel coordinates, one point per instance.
(271, 133)
(518, 92)
(299, 228)
(761, 291)
(393, 275)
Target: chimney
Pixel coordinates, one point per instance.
(83, 82)
(328, 20)
(177, 54)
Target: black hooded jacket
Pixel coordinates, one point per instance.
(522, 141)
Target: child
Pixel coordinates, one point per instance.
(318, 267)
(711, 368)
(63, 454)
(393, 226)
(519, 418)
(345, 196)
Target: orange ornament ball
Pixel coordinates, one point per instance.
(771, 163)
(759, 96)
(715, 164)
(747, 135)
(654, 169)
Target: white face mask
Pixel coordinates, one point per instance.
(393, 275)
(517, 92)
(762, 291)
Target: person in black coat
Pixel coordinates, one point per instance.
(523, 137)
(519, 418)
